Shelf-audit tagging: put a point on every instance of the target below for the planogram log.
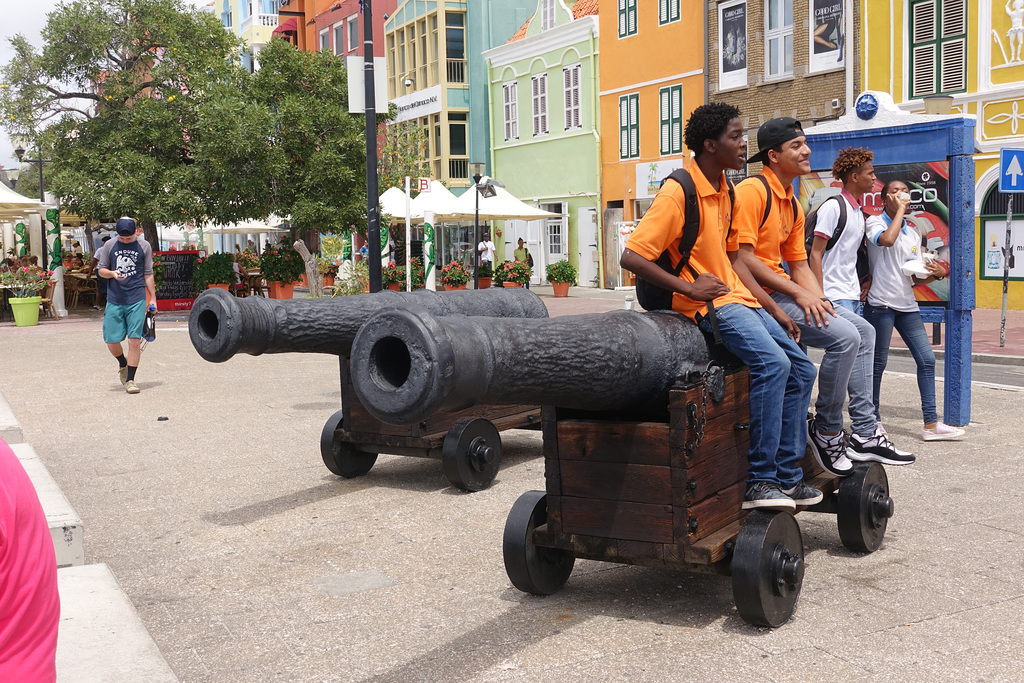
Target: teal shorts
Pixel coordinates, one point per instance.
(123, 322)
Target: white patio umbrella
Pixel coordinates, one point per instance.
(12, 203)
(393, 202)
(503, 205)
(438, 199)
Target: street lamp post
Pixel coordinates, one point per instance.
(476, 169)
(20, 153)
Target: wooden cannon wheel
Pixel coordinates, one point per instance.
(767, 568)
(864, 507)
(471, 454)
(533, 569)
(342, 458)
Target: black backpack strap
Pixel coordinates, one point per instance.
(768, 200)
(691, 222)
(840, 224)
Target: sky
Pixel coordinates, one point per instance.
(28, 19)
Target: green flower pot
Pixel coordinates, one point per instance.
(26, 310)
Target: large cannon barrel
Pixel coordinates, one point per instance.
(408, 364)
(222, 325)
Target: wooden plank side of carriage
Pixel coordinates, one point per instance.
(640, 493)
(424, 438)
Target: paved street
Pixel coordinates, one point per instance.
(248, 561)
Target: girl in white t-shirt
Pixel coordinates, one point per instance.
(897, 263)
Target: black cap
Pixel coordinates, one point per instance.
(125, 226)
(773, 133)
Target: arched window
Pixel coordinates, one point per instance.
(993, 235)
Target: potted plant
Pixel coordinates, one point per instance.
(561, 274)
(454, 276)
(484, 273)
(159, 270)
(328, 270)
(353, 279)
(392, 276)
(281, 267)
(418, 277)
(25, 283)
(513, 273)
(213, 270)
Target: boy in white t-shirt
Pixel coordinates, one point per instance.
(836, 269)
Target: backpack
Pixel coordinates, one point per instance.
(862, 251)
(768, 204)
(650, 296)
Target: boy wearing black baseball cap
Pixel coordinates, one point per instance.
(127, 263)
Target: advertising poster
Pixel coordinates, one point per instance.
(928, 213)
(826, 34)
(732, 22)
(994, 249)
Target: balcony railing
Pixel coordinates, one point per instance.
(458, 169)
(269, 20)
(456, 70)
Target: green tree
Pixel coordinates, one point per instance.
(137, 98)
(316, 170)
(403, 153)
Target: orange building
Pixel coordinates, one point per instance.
(652, 77)
(334, 26)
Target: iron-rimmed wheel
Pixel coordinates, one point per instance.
(532, 569)
(341, 458)
(471, 454)
(864, 507)
(767, 568)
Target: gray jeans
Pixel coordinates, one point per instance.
(847, 367)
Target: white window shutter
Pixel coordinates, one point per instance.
(576, 122)
(953, 60)
(677, 119)
(664, 107)
(623, 127)
(544, 104)
(632, 16)
(634, 127)
(923, 23)
(663, 11)
(954, 18)
(924, 70)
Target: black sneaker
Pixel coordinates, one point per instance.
(829, 451)
(762, 494)
(877, 448)
(802, 494)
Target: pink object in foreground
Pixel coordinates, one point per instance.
(942, 432)
(29, 604)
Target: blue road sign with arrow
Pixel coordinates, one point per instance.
(1011, 170)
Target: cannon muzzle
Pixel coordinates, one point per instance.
(222, 325)
(409, 364)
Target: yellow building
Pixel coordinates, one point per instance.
(970, 53)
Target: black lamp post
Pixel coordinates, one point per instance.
(20, 153)
(485, 190)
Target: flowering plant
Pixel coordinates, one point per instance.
(327, 267)
(454, 274)
(214, 269)
(513, 271)
(392, 273)
(418, 278)
(26, 281)
(562, 271)
(352, 279)
(281, 264)
(248, 259)
(159, 269)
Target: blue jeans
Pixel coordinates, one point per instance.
(781, 379)
(911, 329)
(852, 305)
(846, 368)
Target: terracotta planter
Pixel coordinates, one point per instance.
(281, 290)
(303, 281)
(26, 310)
(394, 286)
(560, 288)
(484, 283)
(217, 285)
(511, 285)
(328, 281)
(452, 288)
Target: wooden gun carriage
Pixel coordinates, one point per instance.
(467, 442)
(645, 447)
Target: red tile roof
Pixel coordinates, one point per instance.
(521, 33)
(584, 8)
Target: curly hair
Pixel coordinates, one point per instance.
(849, 160)
(707, 122)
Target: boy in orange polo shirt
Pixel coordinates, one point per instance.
(781, 376)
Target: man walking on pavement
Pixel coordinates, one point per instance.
(127, 263)
(834, 271)
(486, 249)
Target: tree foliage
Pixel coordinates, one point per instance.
(403, 153)
(317, 160)
(132, 95)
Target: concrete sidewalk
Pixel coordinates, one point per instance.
(248, 561)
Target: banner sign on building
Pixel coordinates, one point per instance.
(650, 174)
(732, 52)
(827, 39)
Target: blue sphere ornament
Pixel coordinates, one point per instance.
(866, 107)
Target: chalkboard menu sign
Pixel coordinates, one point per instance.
(176, 291)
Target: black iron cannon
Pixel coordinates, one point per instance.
(467, 442)
(645, 455)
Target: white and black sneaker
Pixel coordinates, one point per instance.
(829, 451)
(877, 448)
(802, 494)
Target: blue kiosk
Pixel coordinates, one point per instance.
(932, 153)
